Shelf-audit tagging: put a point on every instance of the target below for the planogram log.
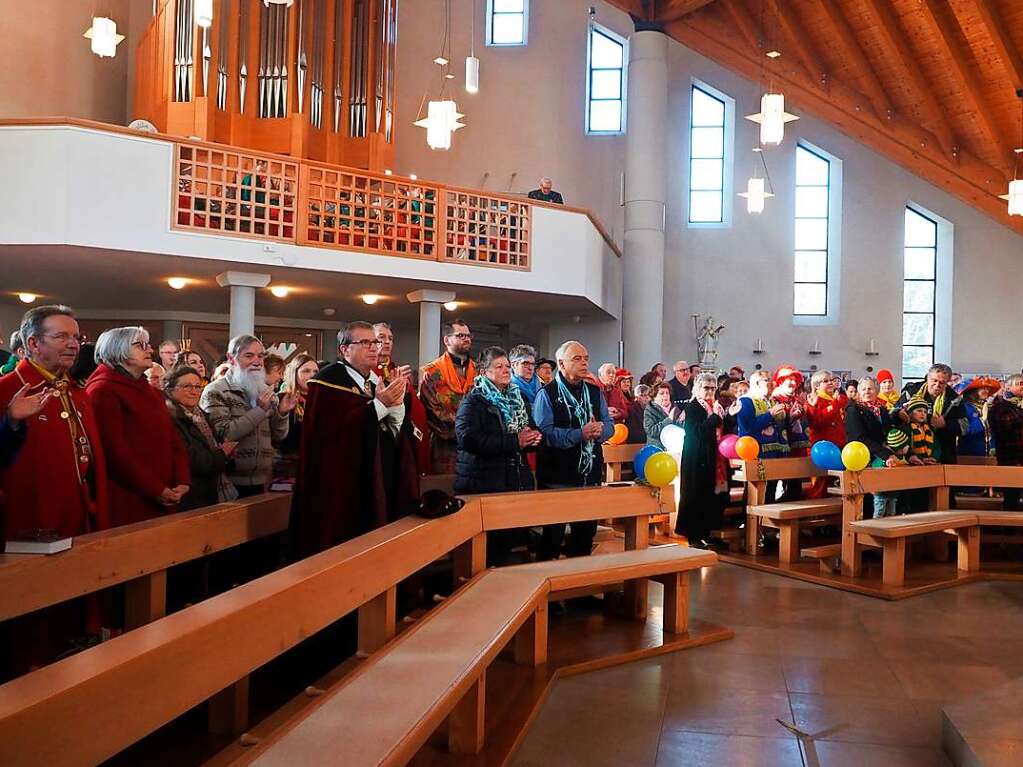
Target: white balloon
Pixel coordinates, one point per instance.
(672, 437)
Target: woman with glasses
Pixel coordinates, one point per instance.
(146, 459)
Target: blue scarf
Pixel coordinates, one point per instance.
(508, 403)
(528, 388)
(583, 413)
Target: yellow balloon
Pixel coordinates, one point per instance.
(855, 456)
(660, 469)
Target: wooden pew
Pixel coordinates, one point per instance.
(756, 474)
(449, 652)
(616, 456)
(788, 519)
(891, 534)
(988, 474)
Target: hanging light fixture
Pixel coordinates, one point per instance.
(772, 115)
(758, 188)
(103, 36)
(1015, 195)
(204, 13)
(472, 64)
(440, 122)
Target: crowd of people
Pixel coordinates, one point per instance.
(95, 436)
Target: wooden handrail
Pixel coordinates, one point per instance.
(99, 560)
(118, 129)
(983, 476)
(886, 480)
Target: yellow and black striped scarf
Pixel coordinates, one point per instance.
(922, 440)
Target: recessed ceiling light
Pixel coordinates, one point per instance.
(440, 61)
(280, 291)
(308, 335)
(773, 54)
(27, 298)
(369, 299)
(177, 282)
(413, 176)
(388, 172)
(451, 306)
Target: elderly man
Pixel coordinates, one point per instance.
(168, 353)
(442, 385)
(948, 413)
(523, 365)
(679, 383)
(358, 468)
(572, 415)
(243, 409)
(386, 369)
(606, 377)
(546, 192)
(1006, 418)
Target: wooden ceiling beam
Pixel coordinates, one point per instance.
(797, 39)
(743, 23)
(854, 53)
(958, 58)
(901, 140)
(639, 9)
(666, 11)
(999, 34)
(897, 46)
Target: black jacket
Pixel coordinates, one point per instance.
(680, 393)
(862, 426)
(489, 459)
(205, 463)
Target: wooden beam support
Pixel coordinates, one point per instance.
(856, 56)
(999, 34)
(897, 46)
(959, 59)
(797, 39)
(673, 10)
(746, 25)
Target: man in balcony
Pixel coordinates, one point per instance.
(546, 193)
(442, 385)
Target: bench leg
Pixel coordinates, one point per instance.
(637, 536)
(852, 510)
(614, 472)
(377, 621)
(752, 534)
(788, 542)
(227, 712)
(939, 498)
(531, 639)
(893, 568)
(969, 549)
(471, 557)
(466, 722)
(854, 567)
(145, 600)
(676, 603)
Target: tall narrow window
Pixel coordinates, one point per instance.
(605, 82)
(507, 22)
(706, 157)
(919, 295)
(813, 207)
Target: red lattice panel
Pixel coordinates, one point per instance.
(486, 230)
(349, 210)
(234, 193)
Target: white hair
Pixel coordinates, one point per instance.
(113, 346)
(607, 366)
(706, 378)
(561, 355)
(240, 343)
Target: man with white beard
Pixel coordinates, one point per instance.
(242, 408)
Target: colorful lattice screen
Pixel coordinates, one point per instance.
(348, 209)
(236, 193)
(486, 230)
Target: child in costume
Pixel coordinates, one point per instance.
(886, 391)
(922, 445)
(887, 504)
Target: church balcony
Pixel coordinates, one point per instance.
(101, 188)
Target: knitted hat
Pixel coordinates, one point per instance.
(784, 373)
(884, 374)
(916, 404)
(896, 439)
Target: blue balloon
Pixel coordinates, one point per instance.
(639, 462)
(827, 455)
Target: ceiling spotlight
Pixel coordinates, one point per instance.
(440, 61)
(451, 306)
(369, 299)
(773, 54)
(413, 176)
(177, 282)
(329, 311)
(280, 291)
(27, 298)
(388, 172)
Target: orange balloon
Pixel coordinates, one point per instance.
(747, 448)
(621, 433)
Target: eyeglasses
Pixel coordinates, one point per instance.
(64, 338)
(462, 336)
(190, 387)
(143, 345)
(365, 343)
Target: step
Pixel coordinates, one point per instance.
(828, 556)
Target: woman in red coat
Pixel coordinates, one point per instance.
(147, 465)
(825, 414)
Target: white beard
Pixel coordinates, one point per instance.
(252, 382)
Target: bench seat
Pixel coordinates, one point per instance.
(798, 509)
(788, 518)
(1000, 518)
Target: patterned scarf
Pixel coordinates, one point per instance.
(528, 388)
(226, 491)
(583, 413)
(922, 440)
(874, 407)
(452, 378)
(508, 403)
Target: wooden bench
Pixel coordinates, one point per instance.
(447, 656)
(616, 456)
(1000, 519)
(788, 519)
(891, 533)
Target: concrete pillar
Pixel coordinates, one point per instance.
(430, 302)
(645, 193)
(243, 299)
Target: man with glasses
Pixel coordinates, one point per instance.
(442, 385)
(357, 469)
(57, 481)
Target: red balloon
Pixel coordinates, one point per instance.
(747, 448)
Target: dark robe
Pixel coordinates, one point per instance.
(354, 475)
(700, 508)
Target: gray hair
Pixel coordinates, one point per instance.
(641, 390)
(32, 322)
(548, 179)
(16, 342)
(1014, 380)
(940, 367)
(240, 343)
(867, 379)
(114, 346)
(382, 325)
(820, 377)
(346, 334)
(489, 355)
(706, 378)
(607, 366)
(562, 353)
(521, 352)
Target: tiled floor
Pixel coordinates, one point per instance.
(866, 679)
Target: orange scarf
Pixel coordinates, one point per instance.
(450, 376)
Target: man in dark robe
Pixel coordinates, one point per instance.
(357, 467)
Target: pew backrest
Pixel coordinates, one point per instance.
(775, 468)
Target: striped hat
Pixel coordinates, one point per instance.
(897, 439)
(915, 403)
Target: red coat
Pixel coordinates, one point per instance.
(43, 487)
(143, 448)
(826, 419)
(417, 414)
